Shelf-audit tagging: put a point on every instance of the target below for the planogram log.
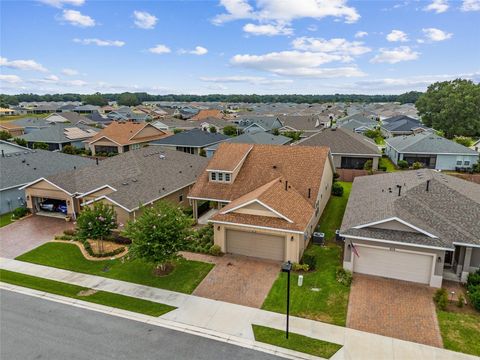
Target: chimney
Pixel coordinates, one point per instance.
(399, 190)
(3, 153)
(286, 185)
(428, 185)
(96, 160)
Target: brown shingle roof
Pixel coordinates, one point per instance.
(122, 132)
(206, 113)
(231, 157)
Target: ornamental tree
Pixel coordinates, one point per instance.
(158, 234)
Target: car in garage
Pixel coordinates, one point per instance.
(53, 205)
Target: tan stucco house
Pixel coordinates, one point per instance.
(269, 197)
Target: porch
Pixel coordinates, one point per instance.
(460, 262)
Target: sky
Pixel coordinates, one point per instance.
(237, 46)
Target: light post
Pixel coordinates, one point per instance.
(287, 267)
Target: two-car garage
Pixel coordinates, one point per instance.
(255, 244)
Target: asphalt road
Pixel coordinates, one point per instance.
(33, 328)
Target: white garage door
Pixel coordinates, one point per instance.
(255, 244)
(393, 264)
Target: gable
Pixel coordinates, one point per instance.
(147, 131)
(397, 224)
(255, 208)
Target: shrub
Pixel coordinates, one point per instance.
(335, 176)
(215, 250)
(20, 212)
(64, 237)
(343, 276)
(90, 252)
(368, 165)
(382, 168)
(310, 260)
(474, 295)
(460, 301)
(337, 189)
(463, 140)
(69, 232)
(417, 165)
(473, 279)
(300, 267)
(402, 164)
(230, 130)
(4, 135)
(118, 238)
(441, 298)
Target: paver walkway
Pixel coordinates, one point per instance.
(27, 234)
(237, 279)
(395, 308)
(236, 320)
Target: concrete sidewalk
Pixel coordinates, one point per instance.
(236, 320)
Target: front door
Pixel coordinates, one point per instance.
(448, 259)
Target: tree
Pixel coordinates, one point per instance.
(452, 106)
(158, 234)
(21, 142)
(5, 135)
(128, 99)
(95, 99)
(275, 132)
(97, 222)
(373, 134)
(40, 145)
(212, 129)
(463, 140)
(202, 152)
(294, 135)
(409, 97)
(230, 130)
(69, 149)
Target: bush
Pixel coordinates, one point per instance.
(368, 165)
(335, 176)
(20, 212)
(441, 298)
(337, 189)
(473, 279)
(463, 140)
(382, 168)
(215, 250)
(118, 238)
(310, 260)
(402, 164)
(69, 232)
(474, 295)
(200, 240)
(461, 301)
(417, 165)
(343, 276)
(300, 267)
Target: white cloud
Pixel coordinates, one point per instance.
(438, 6)
(76, 82)
(336, 46)
(76, 18)
(22, 64)
(61, 3)
(199, 50)
(470, 5)
(100, 42)
(433, 34)
(268, 29)
(397, 35)
(160, 49)
(49, 79)
(312, 28)
(11, 79)
(236, 9)
(144, 20)
(396, 55)
(69, 72)
(361, 34)
(253, 80)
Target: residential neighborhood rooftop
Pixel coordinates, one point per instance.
(191, 138)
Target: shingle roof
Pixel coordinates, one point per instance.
(300, 122)
(266, 122)
(206, 113)
(427, 142)
(449, 210)
(402, 123)
(31, 122)
(260, 137)
(342, 141)
(73, 117)
(233, 155)
(191, 138)
(122, 132)
(59, 133)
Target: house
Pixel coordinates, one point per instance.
(13, 129)
(69, 117)
(59, 135)
(402, 125)
(204, 114)
(218, 124)
(190, 141)
(120, 137)
(255, 138)
(127, 182)
(476, 146)
(31, 124)
(420, 226)
(349, 149)
(185, 112)
(357, 122)
(302, 123)
(269, 198)
(431, 150)
(172, 124)
(259, 123)
(6, 112)
(86, 109)
(19, 166)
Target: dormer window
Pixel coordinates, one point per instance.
(220, 176)
(213, 176)
(227, 177)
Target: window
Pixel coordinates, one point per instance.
(227, 177)
(466, 162)
(220, 176)
(459, 162)
(180, 198)
(213, 176)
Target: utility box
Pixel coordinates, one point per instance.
(318, 238)
(300, 280)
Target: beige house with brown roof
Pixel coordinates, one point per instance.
(12, 129)
(120, 137)
(207, 113)
(269, 197)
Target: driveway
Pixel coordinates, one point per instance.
(394, 308)
(237, 279)
(29, 233)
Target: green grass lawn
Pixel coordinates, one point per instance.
(384, 161)
(328, 304)
(332, 216)
(460, 332)
(100, 297)
(184, 278)
(16, 117)
(5, 219)
(295, 342)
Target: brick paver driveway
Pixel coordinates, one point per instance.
(25, 235)
(237, 279)
(393, 308)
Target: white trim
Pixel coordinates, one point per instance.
(400, 221)
(222, 171)
(254, 123)
(144, 126)
(103, 137)
(95, 190)
(14, 186)
(357, 155)
(38, 180)
(465, 244)
(261, 203)
(426, 153)
(217, 200)
(106, 198)
(256, 227)
(394, 242)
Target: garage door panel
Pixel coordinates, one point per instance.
(393, 264)
(255, 244)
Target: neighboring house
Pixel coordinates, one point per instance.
(185, 112)
(269, 197)
(349, 149)
(205, 114)
(476, 146)
(357, 122)
(175, 124)
(190, 141)
(120, 137)
(431, 150)
(127, 182)
(218, 124)
(44, 109)
(69, 117)
(13, 129)
(59, 135)
(260, 123)
(86, 109)
(419, 226)
(6, 112)
(255, 138)
(19, 166)
(31, 124)
(302, 123)
(402, 125)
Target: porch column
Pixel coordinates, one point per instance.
(195, 210)
(466, 264)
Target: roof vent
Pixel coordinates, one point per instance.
(162, 157)
(274, 166)
(125, 183)
(134, 180)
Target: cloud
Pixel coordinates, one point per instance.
(336, 46)
(438, 6)
(22, 64)
(49, 79)
(61, 3)
(76, 18)
(312, 28)
(433, 34)
(268, 29)
(69, 72)
(396, 55)
(253, 80)
(236, 9)
(470, 5)
(160, 49)
(199, 50)
(397, 35)
(144, 20)
(100, 42)
(11, 79)
(360, 34)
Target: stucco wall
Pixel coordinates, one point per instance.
(475, 260)
(9, 200)
(449, 162)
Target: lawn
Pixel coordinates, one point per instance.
(295, 342)
(332, 216)
(384, 161)
(5, 219)
(16, 117)
(321, 297)
(184, 278)
(460, 332)
(100, 297)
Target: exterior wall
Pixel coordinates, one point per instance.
(104, 142)
(10, 199)
(391, 153)
(337, 160)
(256, 209)
(43, 189)
(449, 162)
(475, 260)
(13, 132)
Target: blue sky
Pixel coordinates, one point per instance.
(237, 46)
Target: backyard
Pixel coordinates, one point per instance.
(387, 163)
(332, 216)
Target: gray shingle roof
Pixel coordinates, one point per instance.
(301, 122)
(256, 138)
(31, 122)
(427, 142)
(402, 123)
(53, 134)
(192, 138)
(75, 118)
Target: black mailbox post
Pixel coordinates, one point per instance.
(287, 267)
